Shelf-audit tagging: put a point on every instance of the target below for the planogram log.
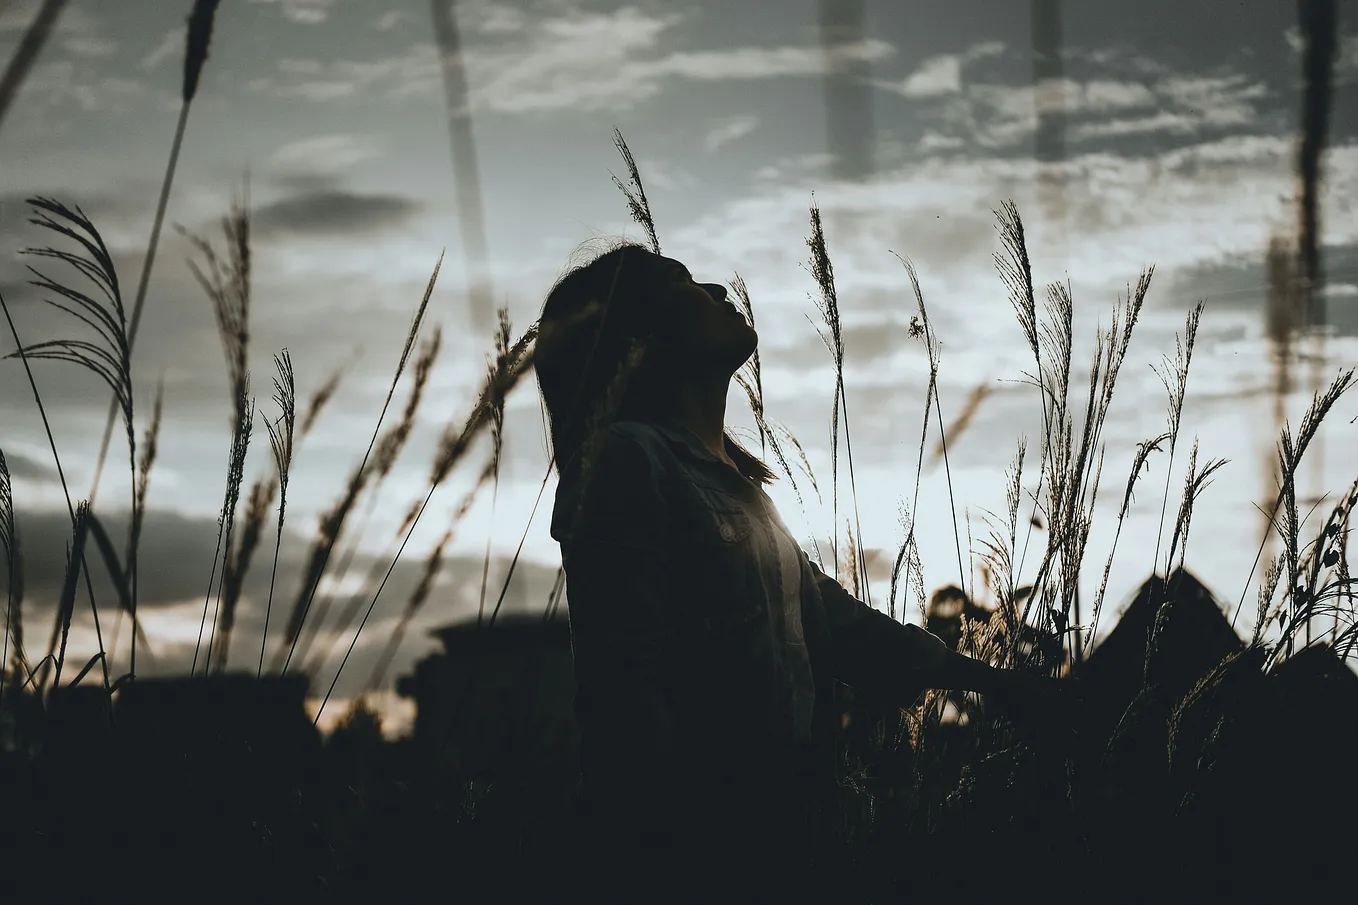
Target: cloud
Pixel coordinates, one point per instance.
(319, 160)
(172, 42)
(176, 558)
(940, 75)
(334, 212)
(1181, 104)
(392, 19)
(580, 61)
(303, 12)
(23, 466)
(90, 48)
(62, 83)
(729, 130)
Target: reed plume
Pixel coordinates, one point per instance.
(75, 557)
(637, 204)
(318, 401)
(495, 372)
(822, 270)
(332, 522)
(14, 594)
(452, 446)
(389, 448)
(240, 444)
(109, 357)
(149, 447)
(281, 443)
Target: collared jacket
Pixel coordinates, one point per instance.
(704, 698)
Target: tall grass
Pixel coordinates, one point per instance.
(198, 39)
(388, 451)
(225, 280)
(281, 442)
(332, 522)
(822, 270)
(452, 446)
(108, 356)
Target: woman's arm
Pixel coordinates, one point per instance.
(873, 652)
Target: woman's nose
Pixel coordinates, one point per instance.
(716, 290)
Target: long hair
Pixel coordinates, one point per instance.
(596, 354)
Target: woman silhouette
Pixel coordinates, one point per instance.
(704, 639)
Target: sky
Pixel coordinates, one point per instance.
(1179, 152)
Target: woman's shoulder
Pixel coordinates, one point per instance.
(626, 478)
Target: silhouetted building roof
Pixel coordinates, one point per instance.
(1195, 636)
(497, 698)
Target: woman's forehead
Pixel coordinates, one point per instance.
(669, 263)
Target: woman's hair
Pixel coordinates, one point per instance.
(595, 359)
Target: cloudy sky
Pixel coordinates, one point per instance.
(1179, 125)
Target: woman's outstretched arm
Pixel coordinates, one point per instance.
(876, 653)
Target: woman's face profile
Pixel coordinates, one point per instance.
(696, 321)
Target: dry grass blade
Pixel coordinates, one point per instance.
(227, 286)
(766, 435)
(14, 594)
(235, 465)
(75, 556)
(384, 458)
(118, 577)
(149, 447)
(822, 270)
(239, 447)
(962, 420)
(496, 372)
(39, 30)
(316, 404)
(1195, 482)
(281, 443)
(455, 441)
(1289, 459)
(225, 279)
(332, 523)
(238, 560)
(201, 19)
(921, 327)
(110, 357)
(637, 204)
(198, 34)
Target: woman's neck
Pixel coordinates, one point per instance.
(701, 408)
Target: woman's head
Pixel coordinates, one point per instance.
(632, 304)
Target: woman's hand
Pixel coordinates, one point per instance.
(1049, 708)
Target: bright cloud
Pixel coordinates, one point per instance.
(584, 61)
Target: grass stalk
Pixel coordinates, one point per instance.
(332, 523)
(281, 443)
(198, 39)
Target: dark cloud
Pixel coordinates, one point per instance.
(334, 212)
(21, 466)
(176, 560)
(1242, 285)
